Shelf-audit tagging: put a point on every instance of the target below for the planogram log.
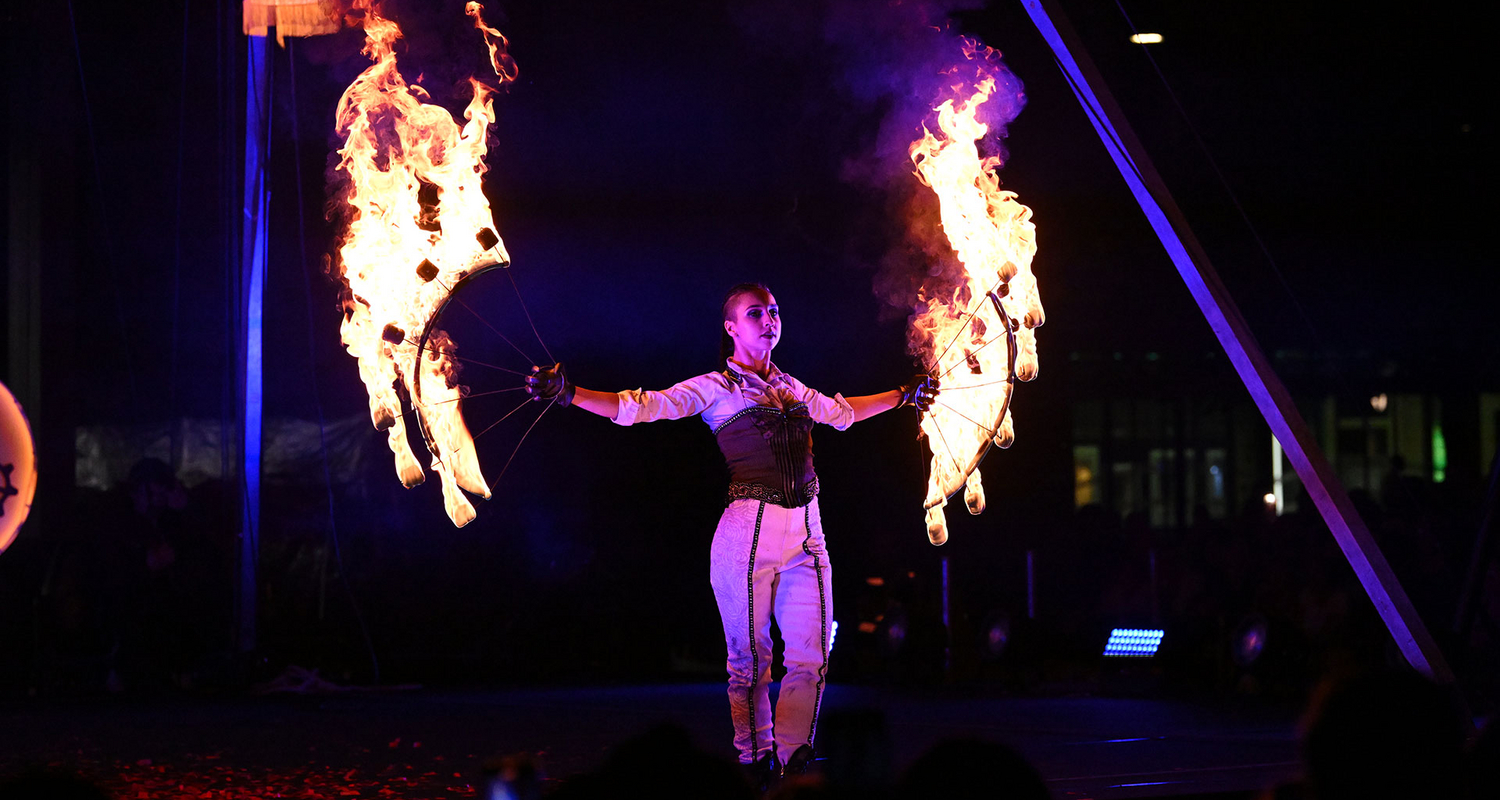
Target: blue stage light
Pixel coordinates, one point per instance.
(1133, 642)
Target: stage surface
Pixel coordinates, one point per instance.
(433, 743)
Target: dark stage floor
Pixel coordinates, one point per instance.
(432, 743)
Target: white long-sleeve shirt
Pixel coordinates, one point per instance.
(717, 396)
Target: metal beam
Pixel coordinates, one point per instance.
(1223, 316)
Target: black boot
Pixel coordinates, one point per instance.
(763, 773)
(801, 762)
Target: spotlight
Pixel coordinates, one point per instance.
(1132, 643)
(1145, 38)
(832, 635)
(17, 467)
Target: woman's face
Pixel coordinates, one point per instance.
(754, 322)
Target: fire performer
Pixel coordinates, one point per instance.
(768, 556)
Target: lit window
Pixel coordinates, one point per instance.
(1085, 473)
(1439, 455)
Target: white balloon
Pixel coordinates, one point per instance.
(17, 468)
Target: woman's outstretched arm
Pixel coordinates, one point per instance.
(685, 399)
(551, 383)
(920, 391)
(605, 404)
(869, 405)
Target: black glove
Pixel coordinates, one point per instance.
(550, 383)
(920, 391)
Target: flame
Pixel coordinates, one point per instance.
(958, 332)
(418, 223)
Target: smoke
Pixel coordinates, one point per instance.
(888, 65)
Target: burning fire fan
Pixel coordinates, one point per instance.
(419, 228)
(995, 299)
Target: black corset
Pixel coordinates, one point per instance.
(771, 450)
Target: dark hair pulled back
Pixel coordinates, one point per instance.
(726, 344)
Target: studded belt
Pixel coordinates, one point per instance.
(755, 491)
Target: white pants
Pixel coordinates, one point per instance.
(767, 560)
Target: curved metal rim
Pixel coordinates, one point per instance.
(427, 329)
(1012, 352)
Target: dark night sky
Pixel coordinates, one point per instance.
(653, 154)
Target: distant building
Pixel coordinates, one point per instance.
(1169, 434)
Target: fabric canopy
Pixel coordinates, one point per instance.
(290, 18)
